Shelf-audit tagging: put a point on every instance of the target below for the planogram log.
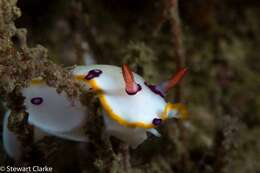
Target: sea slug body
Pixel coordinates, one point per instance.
(131, 106)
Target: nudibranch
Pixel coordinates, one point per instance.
(131, 105)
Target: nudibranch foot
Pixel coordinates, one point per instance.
(132, 136)
(154, 132)
(13, 147)
(10, 143)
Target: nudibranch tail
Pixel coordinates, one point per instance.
(175, 79)
(131, 86)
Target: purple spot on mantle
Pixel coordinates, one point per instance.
(37, 100)
(157, 121)
(93, 73)
(133, 93)
(154, 89)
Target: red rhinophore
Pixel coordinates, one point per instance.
(131, 86)
(175, 79)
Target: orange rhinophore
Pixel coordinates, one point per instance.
(175, 79)
(130, 85)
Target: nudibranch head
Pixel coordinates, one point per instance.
(126, 97)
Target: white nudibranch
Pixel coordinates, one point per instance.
(131, 106)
